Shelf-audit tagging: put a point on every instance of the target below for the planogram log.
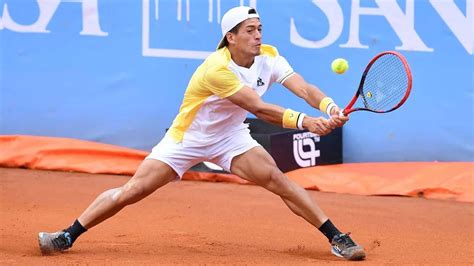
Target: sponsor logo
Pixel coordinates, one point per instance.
(304, 149)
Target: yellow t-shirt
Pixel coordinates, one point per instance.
(205, 115)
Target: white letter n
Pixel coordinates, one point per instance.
(401, 23)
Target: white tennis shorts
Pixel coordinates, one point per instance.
(182, 158)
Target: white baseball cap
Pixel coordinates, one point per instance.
(232, 18)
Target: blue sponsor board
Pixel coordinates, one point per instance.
(115, 71)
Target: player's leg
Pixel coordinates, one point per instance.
(257, 166)
(167, 161)
(150, 175)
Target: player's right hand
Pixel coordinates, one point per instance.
(318, 125)
(338, 119)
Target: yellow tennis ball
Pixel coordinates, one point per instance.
(339, 65)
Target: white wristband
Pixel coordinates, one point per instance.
(299, 123)
(329, 108)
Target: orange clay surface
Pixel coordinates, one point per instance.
(191, 222)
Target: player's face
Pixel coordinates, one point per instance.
(249, 37)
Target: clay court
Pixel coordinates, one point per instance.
(88, 88)
(195, 222)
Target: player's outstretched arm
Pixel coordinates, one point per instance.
(306, 91)
(249, 100)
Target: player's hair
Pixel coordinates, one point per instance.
(236, 28)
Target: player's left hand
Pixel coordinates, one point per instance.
(336, 118)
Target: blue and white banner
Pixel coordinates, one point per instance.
(114, 71)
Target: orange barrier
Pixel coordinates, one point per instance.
(48, 153)
(439, 180)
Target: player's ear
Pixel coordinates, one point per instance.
(230, 37)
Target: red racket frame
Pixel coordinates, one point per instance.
(349, 108)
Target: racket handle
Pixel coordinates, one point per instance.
(341, 113)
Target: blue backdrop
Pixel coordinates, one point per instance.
(115, 71)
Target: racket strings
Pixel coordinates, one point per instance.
(385, 84)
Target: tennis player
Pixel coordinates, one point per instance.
(209, 127)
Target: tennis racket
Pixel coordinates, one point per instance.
(385, 84)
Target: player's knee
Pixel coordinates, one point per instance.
(279, 184)
(131, 193)
(275, 179)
